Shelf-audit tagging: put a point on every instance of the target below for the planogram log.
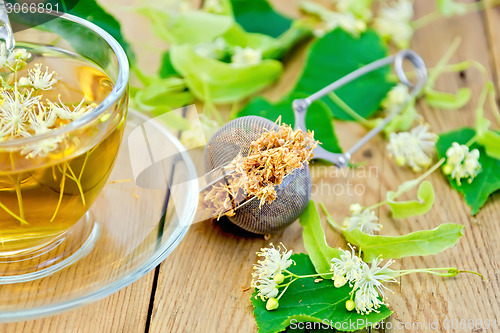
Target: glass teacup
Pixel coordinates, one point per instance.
(49, 181)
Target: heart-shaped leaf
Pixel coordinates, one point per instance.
(337, 54)
(307, 301)
(258, 16)
(486, 182)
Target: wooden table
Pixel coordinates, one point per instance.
(203, 285)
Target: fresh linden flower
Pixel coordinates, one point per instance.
(42, 148)
(215, 50)
(364, 220)
(14, 60)
(41, 121)
(38, 79)
(213, 6)
(396, 97)
(462, 163)
(360, 8)
(244, 57)
(347, 21)
(191, 138)
(66, 113)
(347, 267)
(15, 111)
(332, 20)
(275, 261)
(414, 148)
(369, 288)
(394, 22)
(267, 288)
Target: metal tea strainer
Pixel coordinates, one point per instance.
(294, 193)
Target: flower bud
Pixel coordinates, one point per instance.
(350, 305)
(447, 169)
(279, 278)
(400, 160)
(339, 281)
(272, 304)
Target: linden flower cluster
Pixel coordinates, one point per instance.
(462, 163)
(368, 290)
(241, 57)
(414, 148)
(396, 97)
(23, 112)
(331, 20)
(362, 219)
(268, 274)
(394, 22)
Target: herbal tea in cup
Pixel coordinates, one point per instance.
(47, 184)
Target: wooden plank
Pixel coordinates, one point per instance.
(203, 283)
(427, 299)
(492, 20)
(125, 311)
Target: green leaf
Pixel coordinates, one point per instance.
(337, 54)
(405, 209)
(219, 82)
(258, 16)
(272, 48)
(307, 301)
(91, 11)
(314, 239)
(448, 101)
(318, 118)
(486, 182)
(192, 27)
(419, 243)
(166, 67)
(163, 95)
(490, 140)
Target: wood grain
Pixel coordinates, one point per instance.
(203, 284)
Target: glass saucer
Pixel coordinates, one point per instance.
(130, 229)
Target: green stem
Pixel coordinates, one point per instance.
(448, 272)
(234, 109)
(469, 8)
(329, 218)
(286, 287)
(61, 193)
(372, 207)
(426, 19)
(347, 109)
(20, 199)
(447, 69)
(78, 184)
(13, 214)
(443, 62)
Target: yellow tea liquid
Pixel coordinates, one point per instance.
(42, 201)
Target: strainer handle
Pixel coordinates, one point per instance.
(300, 106)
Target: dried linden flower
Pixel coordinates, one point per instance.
(271, 158)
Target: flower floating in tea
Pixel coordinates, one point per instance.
(272, 157)
(24, 110)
